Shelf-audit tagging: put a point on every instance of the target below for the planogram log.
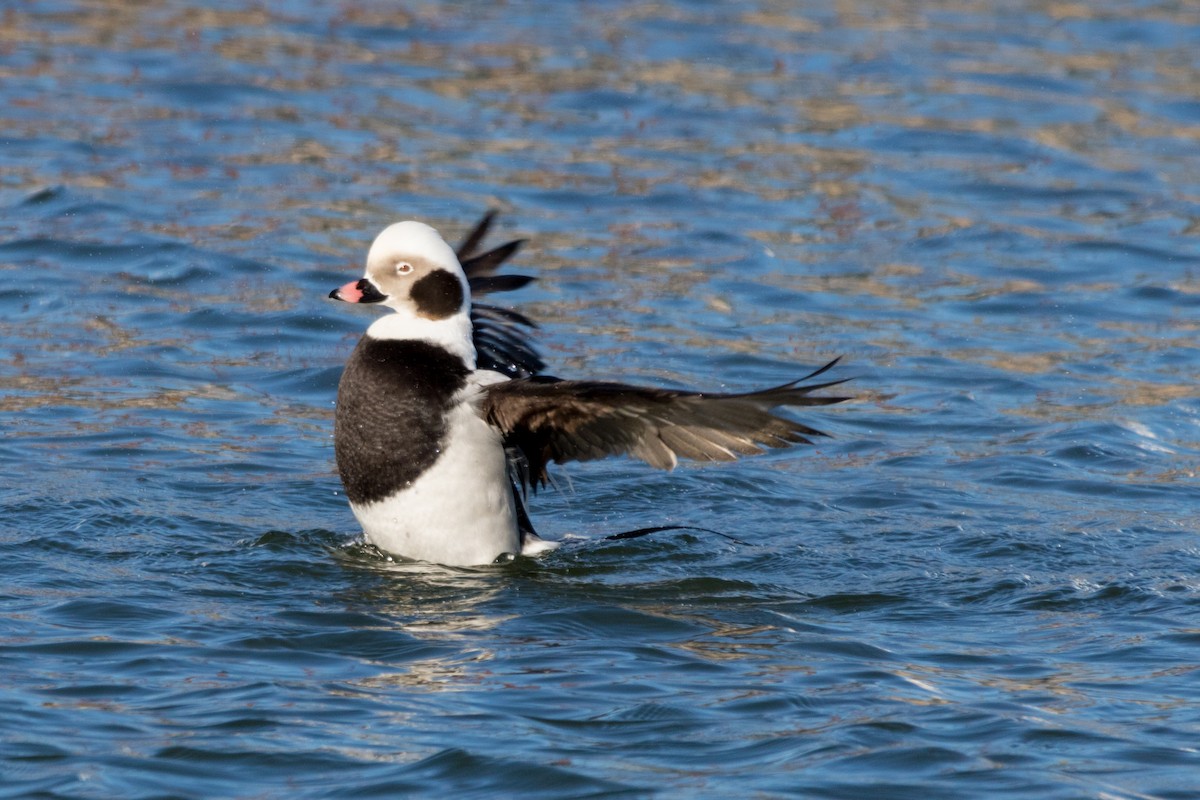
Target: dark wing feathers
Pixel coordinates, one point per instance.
(473, 239)
(498, 283)
(550, 420)
(501, 337)
(502, 344)
(482, 266)
(545, 420)
(479, 268)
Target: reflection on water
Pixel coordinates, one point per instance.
(408, 591)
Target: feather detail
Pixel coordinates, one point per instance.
(551, 420)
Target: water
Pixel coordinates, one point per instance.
(985, 585)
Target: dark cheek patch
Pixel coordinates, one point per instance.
(438, 295)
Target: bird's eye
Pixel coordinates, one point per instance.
(403, 268)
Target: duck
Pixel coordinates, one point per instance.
(445, 420)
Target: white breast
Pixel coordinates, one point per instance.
(458, 512)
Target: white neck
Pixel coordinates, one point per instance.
(452, 333)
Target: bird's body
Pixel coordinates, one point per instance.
(441, 418)
(426, 475)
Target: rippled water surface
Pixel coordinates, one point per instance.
(984, 585)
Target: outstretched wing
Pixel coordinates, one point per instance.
(550, 420)
(501, 336)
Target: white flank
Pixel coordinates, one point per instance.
(460, 512)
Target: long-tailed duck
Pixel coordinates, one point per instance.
(443, 420)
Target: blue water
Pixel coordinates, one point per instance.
(984, 585)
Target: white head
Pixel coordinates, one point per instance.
(411, 270)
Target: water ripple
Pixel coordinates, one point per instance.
(982, 585)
